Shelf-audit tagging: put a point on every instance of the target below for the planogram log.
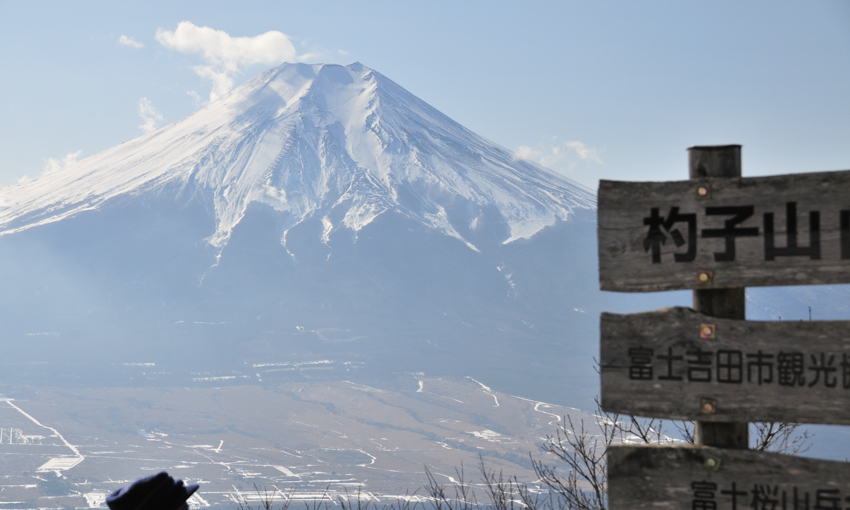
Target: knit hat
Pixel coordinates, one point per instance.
(156, 492)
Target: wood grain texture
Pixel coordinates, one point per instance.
(658, 478)
(752, 371)
(626, 262)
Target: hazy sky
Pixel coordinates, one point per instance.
(614, 90)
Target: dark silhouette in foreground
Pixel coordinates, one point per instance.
(156, 492)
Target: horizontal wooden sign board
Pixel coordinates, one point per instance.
(657, 478)
(724, 232)
(675, 363)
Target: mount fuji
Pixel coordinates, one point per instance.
(342, 145)
(318, 216)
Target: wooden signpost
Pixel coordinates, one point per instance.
(693, 477)
(716, 234)
(724, 232)
(678, 364)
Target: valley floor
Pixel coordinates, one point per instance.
(71, 447)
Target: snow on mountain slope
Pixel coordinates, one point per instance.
(344, 144)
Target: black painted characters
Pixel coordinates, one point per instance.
(673, 224)
(734, 366)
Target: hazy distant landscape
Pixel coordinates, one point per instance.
(317, 437)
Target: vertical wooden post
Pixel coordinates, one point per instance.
(719, 161)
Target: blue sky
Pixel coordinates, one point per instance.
(595, 90)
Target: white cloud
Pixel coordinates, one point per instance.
(129, 41)
(584, 152)
(563, 157)
(149, 115)
(224, 56)
(195, 97)
(55, 164)
(526, 152)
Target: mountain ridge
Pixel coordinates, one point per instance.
(377, 148)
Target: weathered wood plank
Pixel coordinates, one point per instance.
(693, 477)
(678, 364)
(663, 235)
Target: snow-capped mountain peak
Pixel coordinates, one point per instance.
(341, 143)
